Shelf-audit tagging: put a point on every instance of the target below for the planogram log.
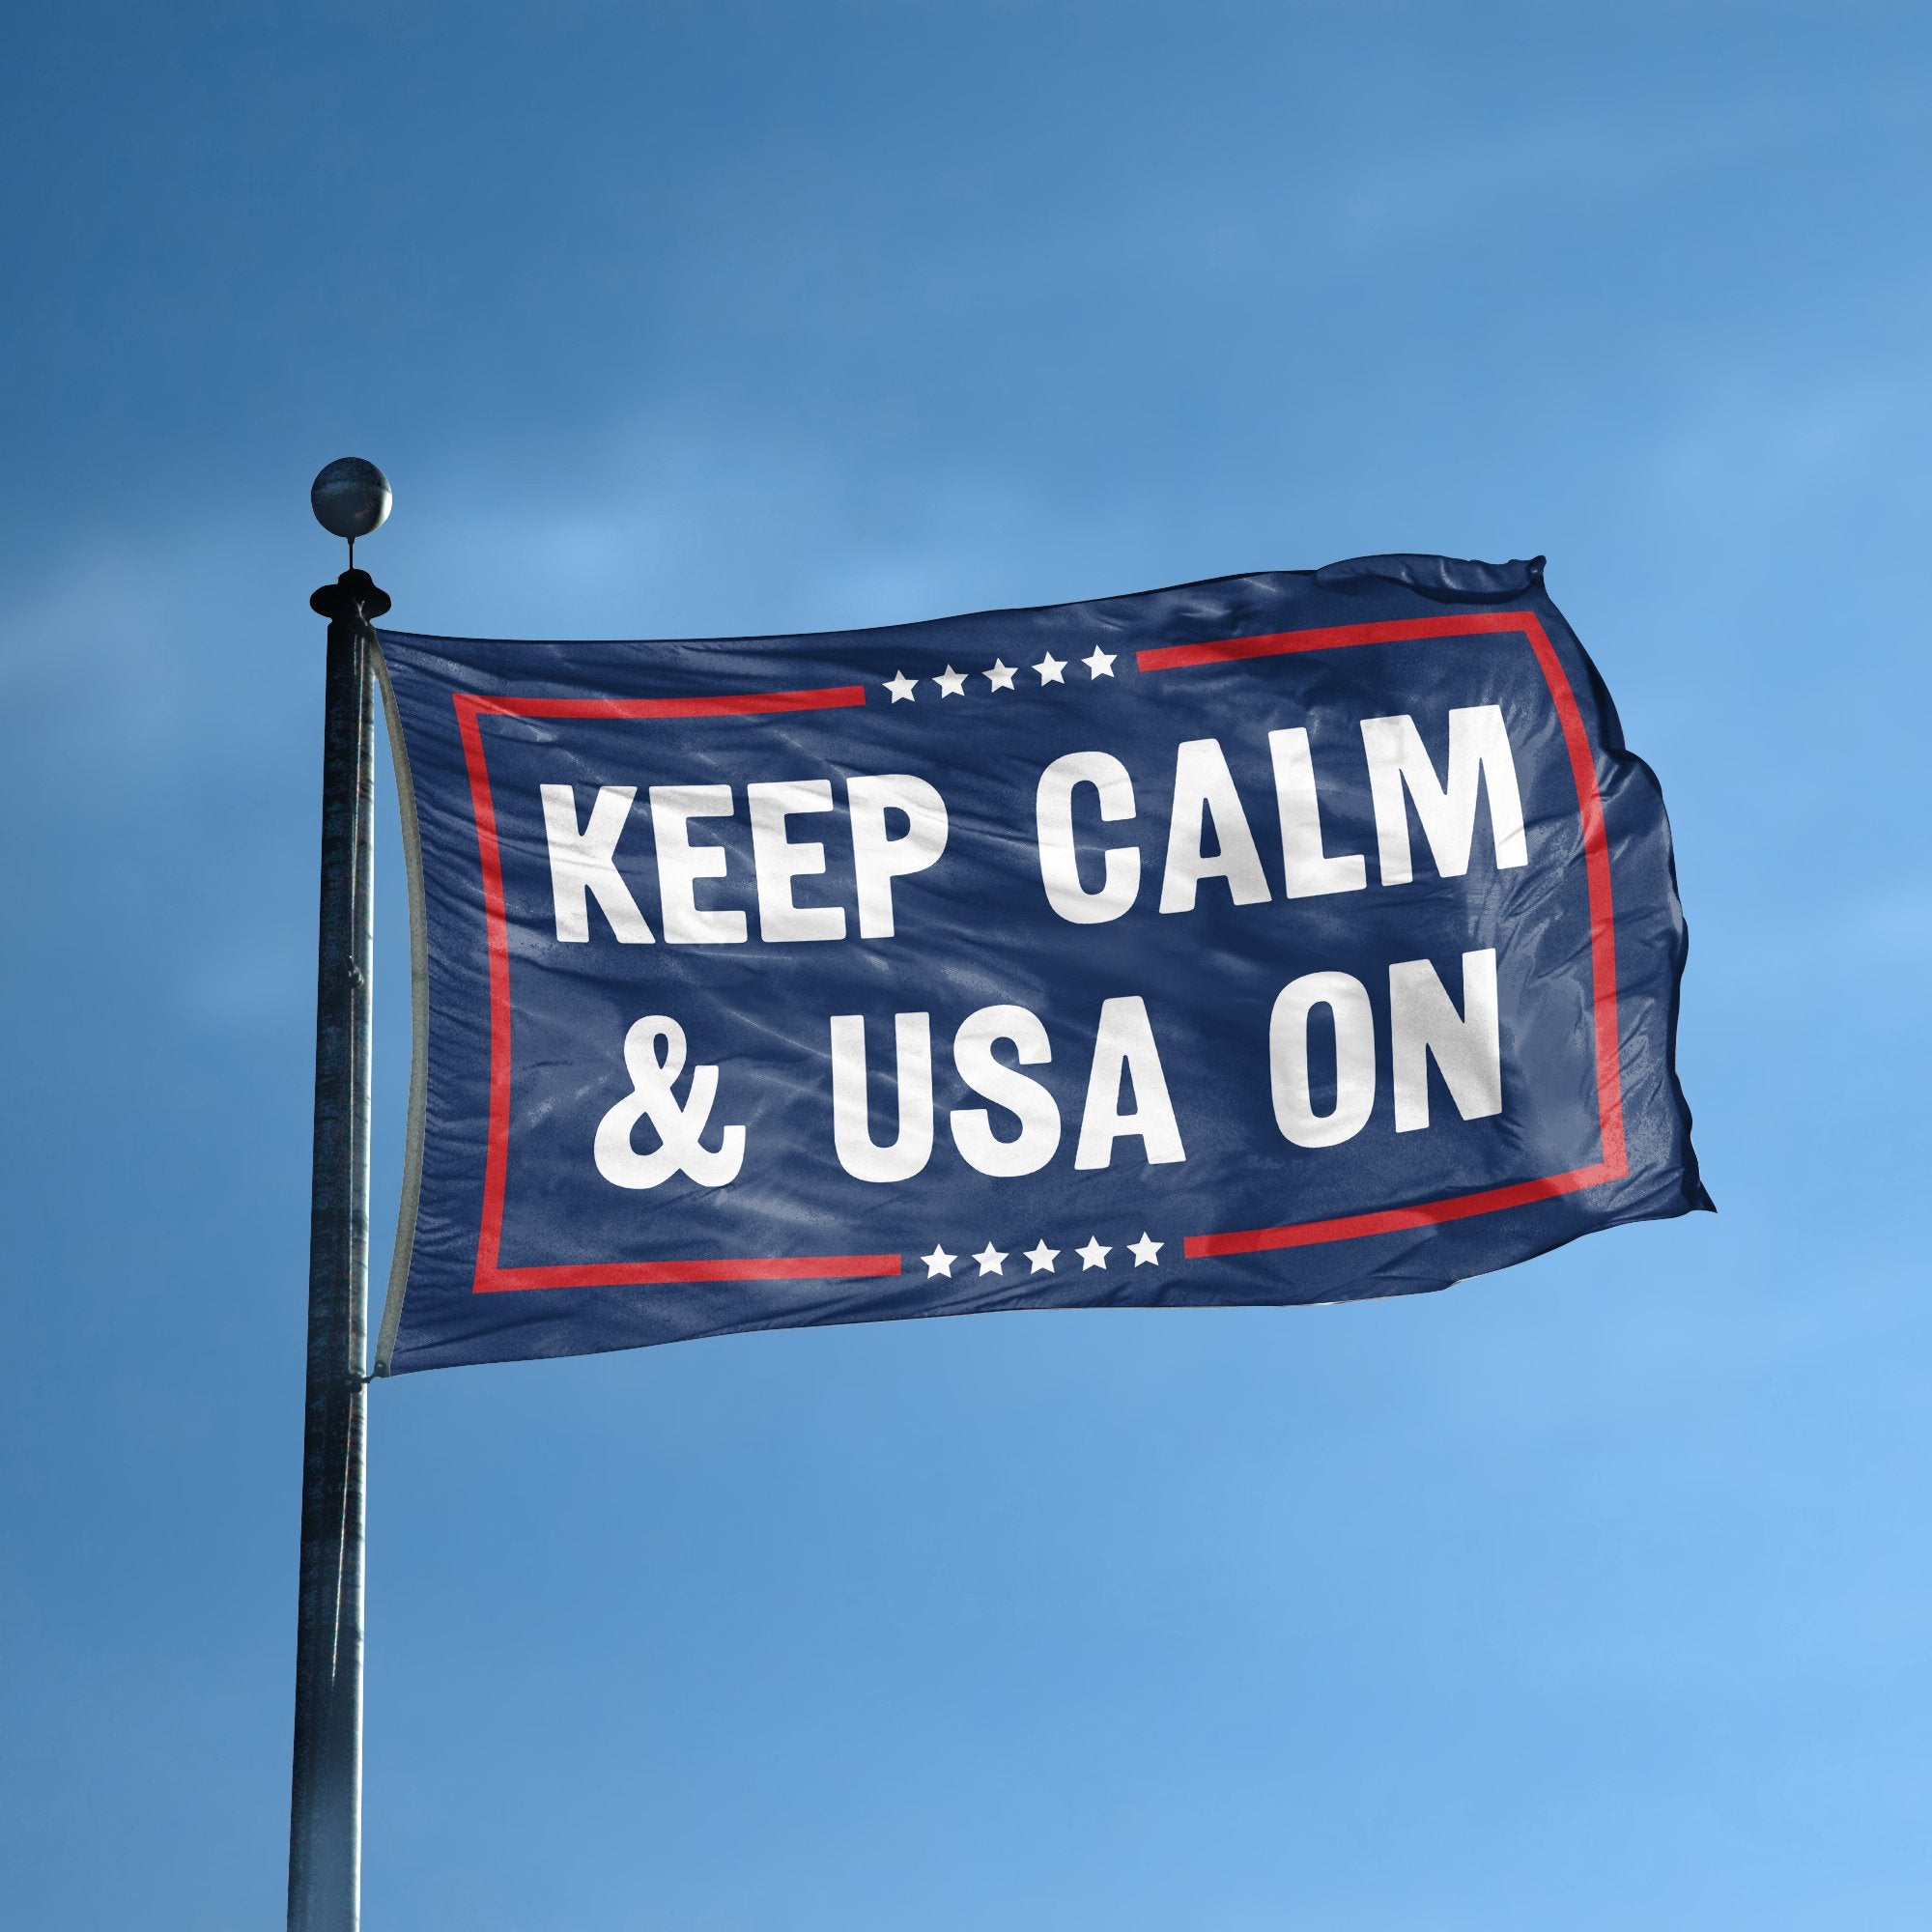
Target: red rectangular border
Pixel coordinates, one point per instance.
(470, 707)
(1615, 1163)
(491, 1278)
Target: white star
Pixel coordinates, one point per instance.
(938, 1262)
(1100, 663)
(1042, 1258)
(1049, 668)
(951, 683)
(1000, 676)
(991, 1261)
(1145, 1251)
(900, 686)
(1093, 1254)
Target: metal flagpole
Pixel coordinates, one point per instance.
(351, 499)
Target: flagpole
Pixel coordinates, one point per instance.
(351, 499)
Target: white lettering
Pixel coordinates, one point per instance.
(1203, 789)
(1059, 856)
(1348, 1000)
(681, 864)
(851, 1109)
(878, 860)
(779, 861)
(1308, 869)
(582, 863)
(1026, 1099)
(1467, 1046)
(1479, 751)
(1123, 1045)
(654, 1050)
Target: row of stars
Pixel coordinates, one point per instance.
(951, 683)
(1146, 1253)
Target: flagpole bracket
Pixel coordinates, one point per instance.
(354, 598)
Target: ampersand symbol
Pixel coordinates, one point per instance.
(654, 1078)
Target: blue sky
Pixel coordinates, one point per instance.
(1591, 1595)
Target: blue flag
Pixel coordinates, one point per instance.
(1299, 937)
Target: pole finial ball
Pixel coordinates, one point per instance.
(349, 498)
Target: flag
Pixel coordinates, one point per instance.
(1298, 937)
